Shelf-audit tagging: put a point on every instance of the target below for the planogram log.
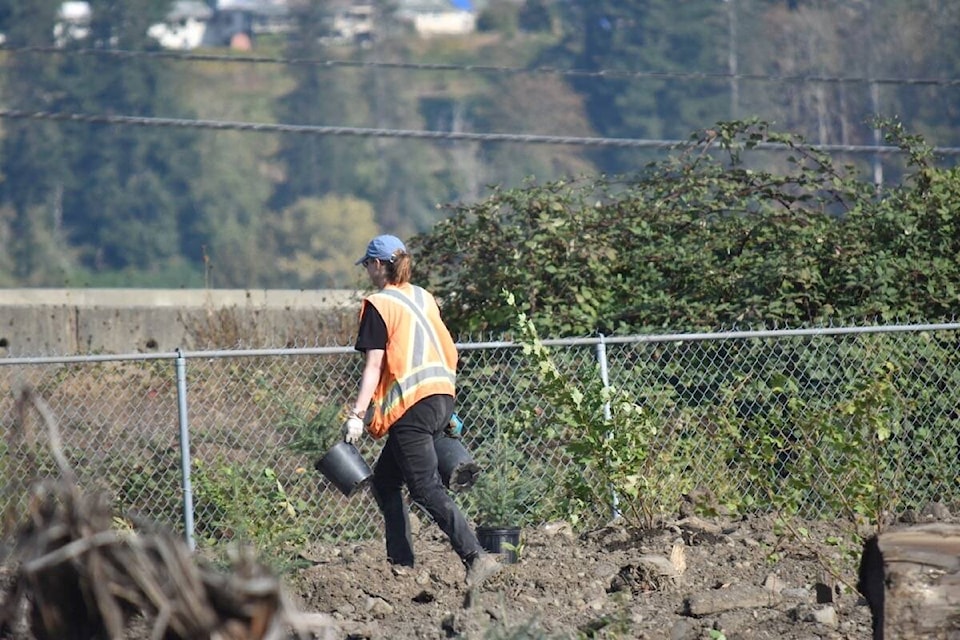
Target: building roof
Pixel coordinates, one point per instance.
(267, 6)
(183, 9)
(75, 11)
(434, 6)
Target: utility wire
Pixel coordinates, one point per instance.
(489, 69)
(13, 114)
(335, 130)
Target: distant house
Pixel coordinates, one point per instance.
(353, 23)
(234, 23)
(246, 18)
(438, 17)
(73, 22)
(237, 23)
(184, 27)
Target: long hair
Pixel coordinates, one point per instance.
(400, 268)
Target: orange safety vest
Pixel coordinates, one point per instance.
(421, 358)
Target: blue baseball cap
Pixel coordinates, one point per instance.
(382, 248)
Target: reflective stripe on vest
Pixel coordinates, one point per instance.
(422, 329)
(407, 386)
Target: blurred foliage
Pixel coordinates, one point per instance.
(660, 35)
(100, 197)
(90, 204)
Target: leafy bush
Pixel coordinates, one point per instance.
(705, 239)
(234, 503)
(813, 435)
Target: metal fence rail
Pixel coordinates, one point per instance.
(222, 443)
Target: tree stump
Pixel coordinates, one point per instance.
(911, 581)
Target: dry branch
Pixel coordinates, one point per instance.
(81, 579)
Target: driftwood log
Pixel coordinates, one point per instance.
(911, 581)
(81, 575)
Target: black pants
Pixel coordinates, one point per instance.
(409, 457)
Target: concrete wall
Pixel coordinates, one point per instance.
(80, 321)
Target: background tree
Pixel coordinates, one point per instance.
(535, 15)
(31, 158)
(536, 104)
(236, 176)
(132, 206)
(897, 27)
(404, 179)
(318, 241)
(795, 44)
(394, 176)
(645, 36)
(120, 197)
(316, 165)
(123, 204)
(408, 179)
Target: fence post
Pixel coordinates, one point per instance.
(185, 449)
(605, 378)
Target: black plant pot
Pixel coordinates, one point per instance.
(344, 467)
(457, 467)
(493, 538)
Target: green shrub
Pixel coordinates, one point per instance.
(622, 454)
(236, 503)
(510, 489)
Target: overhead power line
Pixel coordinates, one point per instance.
(491, 69)
(226, 125)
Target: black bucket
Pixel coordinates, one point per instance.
(457, 467)
(344, 467)
(505, 541)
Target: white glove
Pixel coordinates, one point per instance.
(352, 429)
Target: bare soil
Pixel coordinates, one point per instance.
(691, 579)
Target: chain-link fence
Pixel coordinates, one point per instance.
(223, 443)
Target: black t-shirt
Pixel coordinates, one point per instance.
(373, 330)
